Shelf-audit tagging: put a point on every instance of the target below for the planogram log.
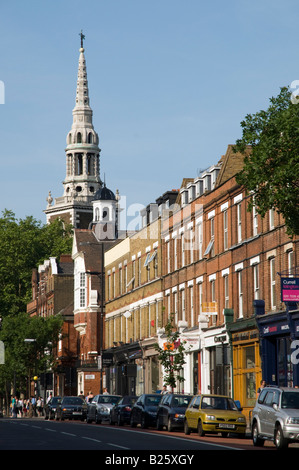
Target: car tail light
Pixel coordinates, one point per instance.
(127, 408)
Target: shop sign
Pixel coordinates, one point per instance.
(276, 329)
(289, 289)
(209, 308)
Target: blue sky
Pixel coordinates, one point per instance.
(169, 82)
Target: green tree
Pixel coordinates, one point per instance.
(172, 355)
(24, 244)
(270, 145)
(24, 359)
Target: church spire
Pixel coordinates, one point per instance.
(82, 179)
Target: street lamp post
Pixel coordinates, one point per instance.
(32, 341)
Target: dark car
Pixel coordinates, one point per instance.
(99, 408)
(71, 408)
(121, 412)
(144, 411)
(171, 411)
(51, 406)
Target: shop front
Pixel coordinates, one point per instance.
(124, 375)
(279, 334)
(246, 362)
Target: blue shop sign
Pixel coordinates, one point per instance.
(276, 329)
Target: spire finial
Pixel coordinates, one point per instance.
(82, 38)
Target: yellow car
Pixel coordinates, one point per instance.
(214, 414)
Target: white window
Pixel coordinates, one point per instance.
(210, 247)
(272, 283)
(225, 230)
(168, 256)
(226, 291)
(120, 281)
(126, 276)
(239, 223)
(175, 241)
(199, 235)
(175, 307)
(290, 263)
(256, 284)
(191, 306)
(191, 245)
(200, 297)
(81, 290)
(183, 305)
(271, 219)
(240, 293)
(254, 221)
(183, 248)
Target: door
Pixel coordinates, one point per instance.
(271, 413)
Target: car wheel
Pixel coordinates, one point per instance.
(132, 422)
(279, 440)
(159, 425)
(187, 430)
(119, 420)
(169, 425)
(257, 441)
(200, 431)
(97, 419)
(143, 422)
(88, 420)
(111, 422)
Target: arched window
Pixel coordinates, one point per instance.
(97, 214)
(106, 213)
(70, 138)
(79, 164)
(90, 138)
(79, 138)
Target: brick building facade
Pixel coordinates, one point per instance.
(52, 294)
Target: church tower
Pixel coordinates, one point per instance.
(82, 179)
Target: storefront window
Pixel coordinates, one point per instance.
(285, 366)
(139, 380)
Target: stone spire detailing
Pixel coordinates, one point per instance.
(82, 152)
(82, 179)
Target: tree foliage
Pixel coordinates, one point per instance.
(172, 355)
(24, 244)
(22, 358)
(270, 145)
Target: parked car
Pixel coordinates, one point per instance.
(144, 411)
(121, 412)
(50, 407)
(98, 409)
(171, 411)
(71, 408)
(214, 414)
(275, 417)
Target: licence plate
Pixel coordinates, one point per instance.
(77, 412)
(227, 426)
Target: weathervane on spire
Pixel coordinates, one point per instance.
(82, 38)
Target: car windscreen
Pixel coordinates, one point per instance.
(290, 400)
(181, 402)
(152, 401)
(72, 401)
(218, 403)
(108, 399)
(55, 401)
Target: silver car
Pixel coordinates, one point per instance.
(98, 409)
(275, 417)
